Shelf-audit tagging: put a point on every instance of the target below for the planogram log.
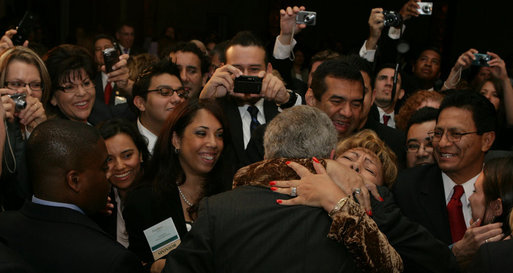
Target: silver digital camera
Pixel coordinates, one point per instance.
(425, 8)
(308, 18)
(19, 101)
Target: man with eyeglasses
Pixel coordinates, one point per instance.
(419, 147)
(156, 92)
(436, 196)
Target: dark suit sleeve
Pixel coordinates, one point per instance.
(420, 251)
(482, 260)
(195, 253)
(126, 262)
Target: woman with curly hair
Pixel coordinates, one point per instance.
(416, 101)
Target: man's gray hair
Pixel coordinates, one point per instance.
(299, 132)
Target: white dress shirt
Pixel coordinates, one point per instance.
(152, 138)
(468, 188)
(246, 119)
(391, 121)
(368, 54)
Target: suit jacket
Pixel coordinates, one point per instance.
(102, 111)
(144, 208)
(232, 115)
(12, 262)
(53, 239)
(493, 257)
(419, 193)
(394, 138)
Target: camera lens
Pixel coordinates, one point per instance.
(426, 9)
(309, 18)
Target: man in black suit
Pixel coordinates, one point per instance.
(464, 132)
(113, 90)
(245, 55)
(68, 168)
(244, 230)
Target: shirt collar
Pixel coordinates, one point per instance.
(56, 204)
(449, 184)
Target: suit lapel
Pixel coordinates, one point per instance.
(232, 114)
(432, 201)
(270, 110)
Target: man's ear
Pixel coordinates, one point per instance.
(177, 142)
(310, 98)
(487, 141)
(373, 96)
(140, 103)
(73, 180)
(204, 79)
(401, 94)
(496, 206)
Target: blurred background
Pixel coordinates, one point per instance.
(455, 26)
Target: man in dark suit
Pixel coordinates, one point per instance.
(436, 196)
(68, 168)
(244, 230)
(113, 90)
(245, 55)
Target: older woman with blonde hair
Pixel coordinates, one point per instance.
(366, 154)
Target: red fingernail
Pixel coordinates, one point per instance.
(288, 162)
(315, 159)
(273, 188)
(272, 183)
(279, 201)
(369, 212)
(381, 199)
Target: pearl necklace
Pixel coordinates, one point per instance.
(184, 198)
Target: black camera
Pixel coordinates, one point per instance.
(308, 18)
(247, 85)
(24, 28)
(19, 101)
(392, 18)
(481, 59)
(110, 58)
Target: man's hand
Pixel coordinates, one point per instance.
(273, 88)
(6, 41)
(465, 59)
(376, 24)
(288, 24)
(221, 83)
(120, 74)
(409, 10)
(474, 237)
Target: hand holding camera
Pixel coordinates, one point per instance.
(498, 67)
(288, 24)
(116, 68)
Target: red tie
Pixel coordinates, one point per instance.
(456, 219)
(386, 118)
(107, 93)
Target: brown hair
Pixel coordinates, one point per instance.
(412, 104)
(368, 139)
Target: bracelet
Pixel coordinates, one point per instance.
(338, 206)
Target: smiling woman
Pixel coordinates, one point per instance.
(187, 164)
(71, 70)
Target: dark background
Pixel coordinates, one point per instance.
(455, 25)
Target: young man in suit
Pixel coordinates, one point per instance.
(436, 196)
(52, 232)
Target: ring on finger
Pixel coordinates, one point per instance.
(486, 241)
(357, 191)
(293, 191)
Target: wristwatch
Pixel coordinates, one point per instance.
(291, 101)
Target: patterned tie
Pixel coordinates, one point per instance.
(455, 211)
(107, 93)
(386, 118)
(253, 111)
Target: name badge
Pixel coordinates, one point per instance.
(162, 238)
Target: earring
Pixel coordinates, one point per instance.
(177, 151)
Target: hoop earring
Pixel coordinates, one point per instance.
(177, 151)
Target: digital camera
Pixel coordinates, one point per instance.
(392, 18)
(481, 59)
(19, 101)
(247, 85)
(24, 28)
(308, 18)
(110, 58)
(425, 8)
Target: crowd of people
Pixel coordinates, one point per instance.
(236, 158)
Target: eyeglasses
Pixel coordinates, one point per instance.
(452, 136)
(167, 91)
(73, 88)
(17, 85)
(414, 147)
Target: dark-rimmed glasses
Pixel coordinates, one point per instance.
(167, 91)
(451, 135)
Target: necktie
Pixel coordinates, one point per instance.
(107, 93)
(253, 111)
(386, 118)
(125, 50)
(455, 211)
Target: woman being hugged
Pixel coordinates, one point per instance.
(187, 164)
